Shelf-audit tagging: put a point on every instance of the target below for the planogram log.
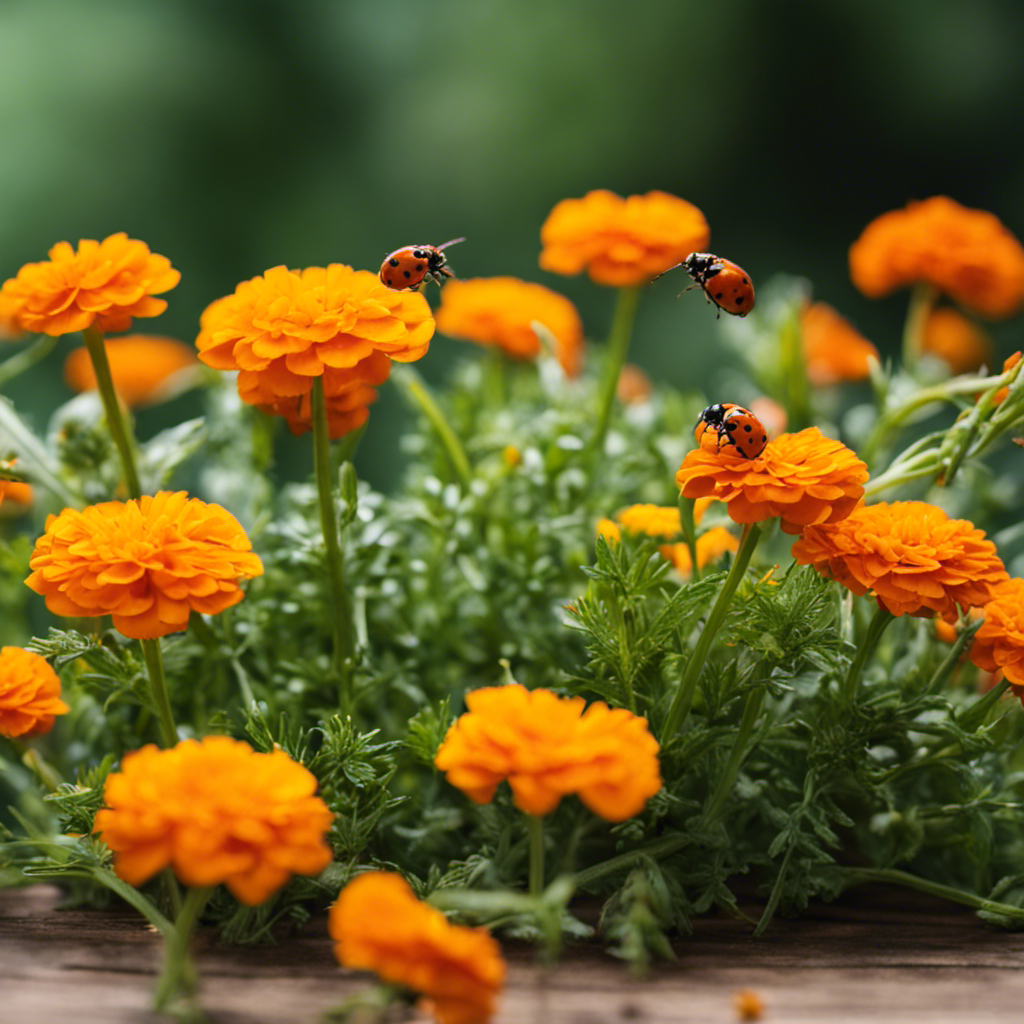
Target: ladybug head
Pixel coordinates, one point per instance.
(698, 262)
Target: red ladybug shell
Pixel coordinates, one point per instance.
(735, 427)
(406, 268)
(725, 283)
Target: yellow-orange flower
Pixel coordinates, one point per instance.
(711, 546)
(29, 694)
(833, 349)
(621, 242)
(999, 643)
(285, 327)
(548, 747)
(1008, 364)
(653, 520)
(140, 366)
(803, 478)
(633, 385)
(954, 339)
(216, 812)
(102, 284)
(967, 254)
(379, 925)
(147, 562)
(911, 557)
(19, 494)
(499, 311)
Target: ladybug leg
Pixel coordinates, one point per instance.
(688, 288)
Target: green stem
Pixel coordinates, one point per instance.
(535, 825)
(179, 977)
(112, 407)
(922, 299)
(618, 349)
(416, 389)
(680, 707)
(43, 770)
(776, 894)
(653, 850)
(797, 386)
(689, 534)
(158, 691)
(341, 607)
(105, 877)
(26, 358)
(751, 712)
(876, 627)
(945, 670)
(348, 445)
(974, 717)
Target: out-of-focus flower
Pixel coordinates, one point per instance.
(634, 386)
(29, 694)
(711, 546)
(1008, 364)
(141, 367)
(803, 478)
(771, 414)
(833, 349)
(911, 557)
(653, 520)
(548, 747)
(147, 562)
(511, 456)
(749, 1004)
(215, 811)
(621, 242)
(610, 530)
(17, 494)
(103, 284)
(967, 254)
(378, 924)
(499, 311)
(959, 343)
(999, 644)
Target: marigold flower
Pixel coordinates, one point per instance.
(633, 386)
(803, 478)
(951, 337)
(911, 557)
(711, 546)
(621, 242)
(29, 694)
(749, 1004)
(967, 254)
(548, 747)
(140, 366)
(999, 643)
(285, 327)
(499, 311)
(772, 415)
(215, 811)
(1008, 364)
(833, 349)
(16, 493)
(147, 562)
(652, 520)
(379, 925)
(102, 284)
(511, 456)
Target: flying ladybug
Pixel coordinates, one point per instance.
(408, 267)
(723, 282)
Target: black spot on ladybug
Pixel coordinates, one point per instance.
(731, 426)
(764, 437)
(419, 254)
(747, 427)
(718, 295)
(419, 266)
(406, 273)
(739, 300)
(745, 281)
(393, 262)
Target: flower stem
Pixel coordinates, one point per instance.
(158, 691)
(876, 627)
(44, 771)
(922, 299)
(112, 407)
(751, 712)
(689, 535)
(681, 702)
(618, 349)
(341, 607)
(974, 717)
(26, 358)
(416, 388)
(535, 825)
(179, 977)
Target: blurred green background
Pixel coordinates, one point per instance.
(235, 136)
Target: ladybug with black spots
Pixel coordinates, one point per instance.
(734, 427)
(408, 267)
(724, 283)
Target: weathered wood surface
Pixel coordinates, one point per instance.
(884, 957)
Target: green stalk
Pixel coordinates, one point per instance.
(535, 825)
(654, 850)
(618, 349)
(681, 702)
(751, 712)
(945, 670)
(922, 299)
(179, 978)
(876, 627)
(797, 386)
(26, 358)
(44, 771)
(974, 717)
(158, 691)
(341, 607)
(112, 407)
(689, 534)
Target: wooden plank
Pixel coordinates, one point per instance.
(883, 957)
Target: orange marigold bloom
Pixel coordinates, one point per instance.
(17, 492)
(140, 366)
(499, 311)
(1008, 364)
(633, 386)
(215, 811)
(379, 925)
(285, 327)
(833, 349)
(548, 747)
(967, 254)
(621, 242)
(147, 562)
(910, 555)
(711, 546)
(803, 478)
(954, 339)
(653, 520)
(999, 643)
(749, 1004)
(103, 284)
(29, 694)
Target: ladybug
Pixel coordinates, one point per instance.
(734, 426)
(406, 268)
(724, 283)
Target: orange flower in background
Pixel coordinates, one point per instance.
(148, 562)
(141, 366)
(962, 345)
(833, 349)
(803, 478)
(610, 530)
(910, 556)
(499, 311)
(772, 415)
(999, 643)
(104, 284)
(621, 242)
(379, 925)
(711, 546)
(285, 327)
(18, 495)
(1008, 364)
(215, 811)
(29, 694)
(653, 520)
(633, 386)
(967, 254)
(548, 747)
